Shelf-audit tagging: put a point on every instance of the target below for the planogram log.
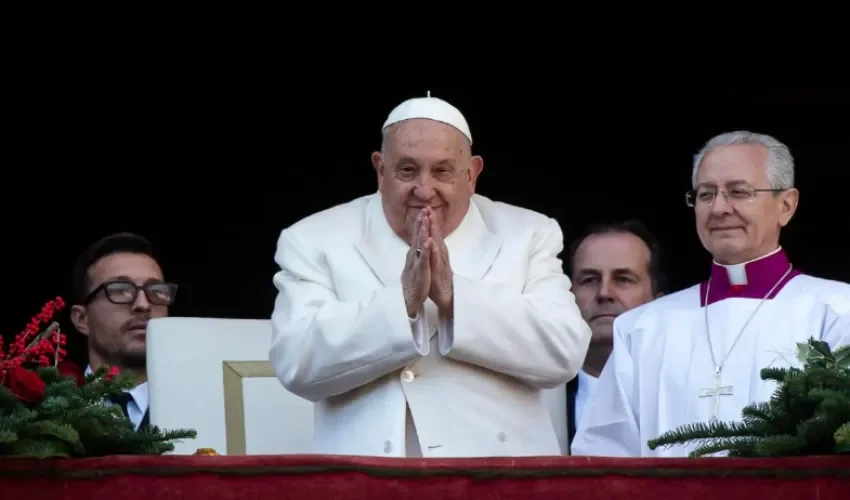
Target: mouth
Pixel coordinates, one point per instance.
(603, 316)
(138, 328)
(734, 228)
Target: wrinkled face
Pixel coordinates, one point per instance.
(610, 276)
(741, 224)
(117, 331)
(425, 163)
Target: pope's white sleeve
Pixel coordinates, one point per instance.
(535, 334)
(322, 346)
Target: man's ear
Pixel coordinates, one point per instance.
(378, 163)
(789, 200)
(80, 319)
(476, 166)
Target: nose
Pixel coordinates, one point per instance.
(720, 205)
(424, 189)
(141, 303)
(604, 293)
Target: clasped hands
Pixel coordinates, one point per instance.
(427, 272)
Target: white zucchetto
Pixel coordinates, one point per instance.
(430, 108)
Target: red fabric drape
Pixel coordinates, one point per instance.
(363, 478)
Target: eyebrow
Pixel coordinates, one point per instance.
(596, 272)
(588, 271)
(730, 183)
(127, 278)
(405, 159)
(408, 159)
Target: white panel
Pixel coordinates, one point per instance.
(186, 383)
(271, 414)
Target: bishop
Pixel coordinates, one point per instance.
(695, 355)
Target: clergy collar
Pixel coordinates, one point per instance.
(749, 280)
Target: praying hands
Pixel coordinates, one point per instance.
(427, 271)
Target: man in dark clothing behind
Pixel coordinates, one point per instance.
(613, 268)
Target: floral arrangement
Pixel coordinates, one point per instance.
(49, 409)
(808, 414)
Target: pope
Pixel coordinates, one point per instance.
(695, 355)
(425, 320)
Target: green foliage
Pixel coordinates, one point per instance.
(808, 413)
(72, 421)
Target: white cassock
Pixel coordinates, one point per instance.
(661, 374)
(388, 386)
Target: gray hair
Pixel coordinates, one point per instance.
(780, 163)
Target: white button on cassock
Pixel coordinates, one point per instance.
(407, 376)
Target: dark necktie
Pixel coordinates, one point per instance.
(122, 401)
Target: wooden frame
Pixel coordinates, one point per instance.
(234, 399)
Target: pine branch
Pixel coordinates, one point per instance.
(18, 418)
(783, 445)
(833, 402)
(737, 445)
(73, 421)
(760, 418)
(776, 374)
(9, 403)
(808, 413)
(50, 375)
(37, 448)
(700, 432)
(51, 416)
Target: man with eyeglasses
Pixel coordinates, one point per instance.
(118, 286)
(695, 356)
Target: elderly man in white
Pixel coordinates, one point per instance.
(424, 320)
(695, 355)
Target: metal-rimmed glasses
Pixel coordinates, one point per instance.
(737, 194)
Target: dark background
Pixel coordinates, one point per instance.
(209, 129)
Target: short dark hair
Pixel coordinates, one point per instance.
(637, 228)
(110, 245)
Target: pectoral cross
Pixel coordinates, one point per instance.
(715, 393)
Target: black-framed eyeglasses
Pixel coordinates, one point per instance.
(126, 292)
(706, 196)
